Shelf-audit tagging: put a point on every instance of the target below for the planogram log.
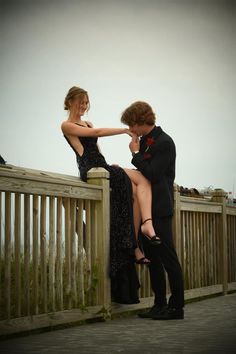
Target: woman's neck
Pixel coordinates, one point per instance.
(75, 118)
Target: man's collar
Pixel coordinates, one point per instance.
(155, 132)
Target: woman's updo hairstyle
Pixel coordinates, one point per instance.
(74, 92)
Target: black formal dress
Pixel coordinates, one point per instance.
(124, 279)
(156, 161)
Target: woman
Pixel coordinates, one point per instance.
(130, 192)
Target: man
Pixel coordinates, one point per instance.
(154, 156)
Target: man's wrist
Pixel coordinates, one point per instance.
(134, 152)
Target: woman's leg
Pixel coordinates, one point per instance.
(136, 210)
(137, 221)
(144, 196)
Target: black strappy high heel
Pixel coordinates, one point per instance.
(142, 260)
(154, 240)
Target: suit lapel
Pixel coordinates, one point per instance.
(154, 133)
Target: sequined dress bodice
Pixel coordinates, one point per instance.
(91, 157)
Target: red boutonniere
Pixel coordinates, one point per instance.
(150, 142)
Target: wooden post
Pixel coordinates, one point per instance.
(68, 252)
(43, 255)
(18, 285)
(219, 196)
(1, 242)
(51, 261)
(59, 263)
(177, 224)
(80, 233)
(35, 284)
(7, 260)
(99, 176)
(27, 254)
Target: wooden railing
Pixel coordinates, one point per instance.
(54, 244)
(205, 235)
(54, 248)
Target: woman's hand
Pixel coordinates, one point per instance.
(129, 133)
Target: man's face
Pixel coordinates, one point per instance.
(137, 129)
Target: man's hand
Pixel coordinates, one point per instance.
(134, 145)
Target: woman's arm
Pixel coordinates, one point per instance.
(72, 129)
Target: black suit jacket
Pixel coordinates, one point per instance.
(156, 161)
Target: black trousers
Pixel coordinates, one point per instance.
(164, 260)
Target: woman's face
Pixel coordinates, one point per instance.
(82, 105)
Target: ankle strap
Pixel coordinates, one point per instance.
(146, 220)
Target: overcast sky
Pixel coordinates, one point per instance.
(178, 55)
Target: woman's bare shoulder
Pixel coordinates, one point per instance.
(67, 126)
(64, 122)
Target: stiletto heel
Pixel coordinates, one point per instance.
(154, 240)
(140, 257)
(142, 260)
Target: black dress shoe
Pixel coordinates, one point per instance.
(169, 314)
(154, 310)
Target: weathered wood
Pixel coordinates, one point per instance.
(100, 177)
(50, 320)
(214, 251)
(82, 244)
(38, 175)
(59, 257)
(184, 253)
(18, 294)
(189, 204)
(177, 223)
(94, 249)
(7, 260)
(51, 281)
(233, 237)
(187, 245)
(195, 255)
(22, 184)
(198, 249)
(88, 246)
(204, 250)
(191, 248)
(220, 196)
(26, 254)
(230, 210)
(232, 286)
(67, 253)
(219, 247)
(73, 251)
(201, 265)
(231, 251)
(35, 255)
(43, 255)
(207, 250)
(203, 291)
(1, 247)
(81, 250)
